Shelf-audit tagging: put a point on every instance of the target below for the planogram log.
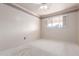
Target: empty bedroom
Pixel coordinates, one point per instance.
(39, 29)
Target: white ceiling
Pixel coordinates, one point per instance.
(52, 7)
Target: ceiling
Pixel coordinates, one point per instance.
(52, 7)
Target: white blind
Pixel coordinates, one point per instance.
(55, 22)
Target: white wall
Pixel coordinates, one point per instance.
(68, 33)
(15, 25)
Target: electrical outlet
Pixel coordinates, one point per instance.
(24, 38)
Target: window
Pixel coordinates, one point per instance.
(55, 22)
